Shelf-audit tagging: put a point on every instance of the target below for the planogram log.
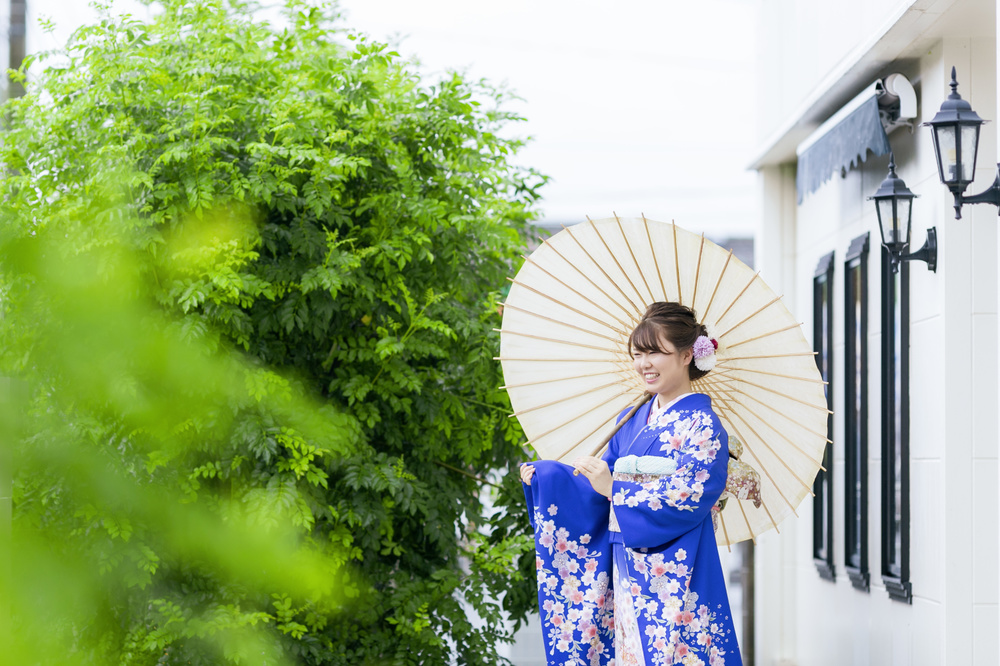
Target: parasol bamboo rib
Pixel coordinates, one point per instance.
(738, 296)
(601, 268)
(730, 345)
(614, 301)
(567, 397)
(767, 473)
(552, 380)
(760, 465)
(635, 262)
(780, 434)
(592, 432)
(746, 444)
(724, 376)
(557, 341)
(614, 257)
(721, 374)
(642, 400)
(563, 323)
(704, 385)
(753, 537)
(789, 397)
(573, 418)
(751, 316)
(784, 416)
(720, 387)
(677, 265)
(773, 374)
(746, 520)
(760, 356)
(725, 532)
(697, 273)
(731, 394)
(718, 282)
(769, 516)
(581, 295)
(767, 446)
(712, 379)
(552, 360)
(586, 277)
(558, 302)
(763, 504)
(656, 262)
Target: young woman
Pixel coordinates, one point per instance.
(627, 562)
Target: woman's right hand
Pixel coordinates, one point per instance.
(527, 471)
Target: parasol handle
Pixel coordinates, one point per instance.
(646, 397)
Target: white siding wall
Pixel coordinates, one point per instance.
(802, 619)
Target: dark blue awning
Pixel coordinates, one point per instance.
(844, 145)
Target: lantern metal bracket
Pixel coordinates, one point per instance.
(927, 252)
(990, 196)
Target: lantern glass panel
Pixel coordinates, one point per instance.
(947, 155)
(887, 218)
(903, 218)
(970, 143)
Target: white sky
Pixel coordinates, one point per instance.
(644, 106)
(641, 106)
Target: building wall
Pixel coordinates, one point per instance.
(802, 619)
(803, 43)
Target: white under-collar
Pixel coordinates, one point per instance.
(655, 410)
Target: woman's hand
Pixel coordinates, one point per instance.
(527, 471)
(597, 472)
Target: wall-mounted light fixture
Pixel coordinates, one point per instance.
(894, 208)
(955, 129)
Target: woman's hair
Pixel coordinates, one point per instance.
(675, 322)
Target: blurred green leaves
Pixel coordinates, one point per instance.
(248, 280)
(144, 458)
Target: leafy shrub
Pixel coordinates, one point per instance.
(249, 280)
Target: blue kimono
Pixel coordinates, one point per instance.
(637, 580)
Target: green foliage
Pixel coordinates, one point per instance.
(248, 284)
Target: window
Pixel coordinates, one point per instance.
(823, 346)
(856, 413)
(895, 430)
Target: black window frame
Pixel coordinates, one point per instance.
(856, 413)
(895, 508)
(823, 543)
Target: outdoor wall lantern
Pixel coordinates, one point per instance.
(894, 208)
(955, 129)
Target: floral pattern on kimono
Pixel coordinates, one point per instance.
(667, 587)
(573, 566)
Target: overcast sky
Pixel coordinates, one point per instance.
(644, 106)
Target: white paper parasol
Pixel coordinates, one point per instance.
(563, 347)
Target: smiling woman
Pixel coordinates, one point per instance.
(662, 348)
(638, 579)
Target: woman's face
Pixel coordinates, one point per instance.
(665, 371)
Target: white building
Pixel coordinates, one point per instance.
(896, 559)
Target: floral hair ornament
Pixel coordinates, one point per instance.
(704, 353)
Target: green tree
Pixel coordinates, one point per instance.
(249, 283)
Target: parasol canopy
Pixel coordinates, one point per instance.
(567, 369)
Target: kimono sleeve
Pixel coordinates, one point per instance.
(573, 565)
(654, 510)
